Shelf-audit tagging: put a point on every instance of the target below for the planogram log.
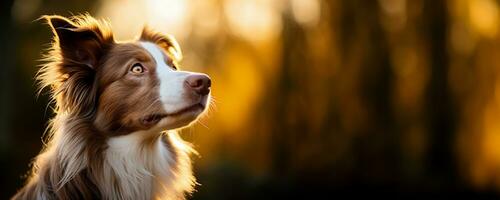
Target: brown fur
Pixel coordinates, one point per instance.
(93, 101)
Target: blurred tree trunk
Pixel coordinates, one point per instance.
(441, 113)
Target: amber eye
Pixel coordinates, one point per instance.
(137, 68)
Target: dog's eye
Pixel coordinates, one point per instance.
(137, 68)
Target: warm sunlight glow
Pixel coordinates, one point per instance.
(306, 12)
(207, 18)
(168, 16)
(129, 16)
(242, 72)
(254, 20)
(483, 16)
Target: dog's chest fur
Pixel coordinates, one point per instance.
(143, 166)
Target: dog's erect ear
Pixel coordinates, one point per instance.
(166, 42)
(80, 42)
(70, 71)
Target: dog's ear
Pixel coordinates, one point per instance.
(72, 62)
(167, 42)
(80, 42)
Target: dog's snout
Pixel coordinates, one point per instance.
(200, 83)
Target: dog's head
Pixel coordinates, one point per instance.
(121, 87)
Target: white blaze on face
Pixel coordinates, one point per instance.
(171, 81)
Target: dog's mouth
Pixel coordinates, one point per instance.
(152, 119)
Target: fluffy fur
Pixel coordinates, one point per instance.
(113, 136)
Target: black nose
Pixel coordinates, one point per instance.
(200, 83)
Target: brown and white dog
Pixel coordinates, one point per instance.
(117, 104)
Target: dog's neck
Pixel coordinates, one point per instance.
(139, 165)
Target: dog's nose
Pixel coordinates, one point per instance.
(200, 83)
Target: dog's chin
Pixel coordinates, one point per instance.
(182, 119)
(176, 120)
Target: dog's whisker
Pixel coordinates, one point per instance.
(201, 123)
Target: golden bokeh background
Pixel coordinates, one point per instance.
(311, 97)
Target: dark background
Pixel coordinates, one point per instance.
(389, 98)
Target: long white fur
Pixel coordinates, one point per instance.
(140, 168)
